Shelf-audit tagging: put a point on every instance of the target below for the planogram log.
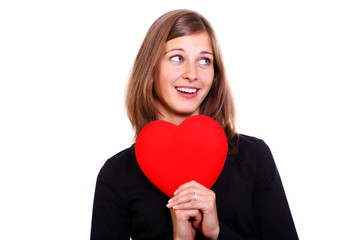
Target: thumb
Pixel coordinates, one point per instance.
(197, 219)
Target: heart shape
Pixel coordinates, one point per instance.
(171, 155)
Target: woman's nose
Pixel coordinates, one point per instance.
(190, 72)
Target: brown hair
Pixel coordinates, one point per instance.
(140, 96)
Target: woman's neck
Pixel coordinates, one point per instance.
(176, 119)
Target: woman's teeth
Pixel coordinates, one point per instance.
(187, 90)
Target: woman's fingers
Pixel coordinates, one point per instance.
(191, 195)
(190, 184)
(185, 222)
(196, 221)
(194, 196)
(185, 197)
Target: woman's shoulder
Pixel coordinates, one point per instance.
(122, 156)
(253, 150)
(250, 143)
(119, 163)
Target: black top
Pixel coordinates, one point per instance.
(250, 199)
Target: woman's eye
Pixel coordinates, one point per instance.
(176, 58)
(205, 61)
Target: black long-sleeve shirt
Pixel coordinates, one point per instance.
(250, 199)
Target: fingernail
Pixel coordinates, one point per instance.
(175, 192)
(175, 207)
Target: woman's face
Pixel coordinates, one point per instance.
(184, 77)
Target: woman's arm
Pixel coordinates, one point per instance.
(272, 214)
(270, 202)
(110, 218)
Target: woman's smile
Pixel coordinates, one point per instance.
(187, 92)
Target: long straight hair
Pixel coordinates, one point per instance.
(140, 95)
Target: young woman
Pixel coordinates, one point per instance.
(179, 73)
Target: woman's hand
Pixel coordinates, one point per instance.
(185, 223)
(194, 196)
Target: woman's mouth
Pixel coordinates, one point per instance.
(187, 90)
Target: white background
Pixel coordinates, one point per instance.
(294, 68)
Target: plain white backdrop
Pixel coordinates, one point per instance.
(294, 68)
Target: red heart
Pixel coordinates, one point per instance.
(171, 155)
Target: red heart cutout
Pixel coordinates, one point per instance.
(171, 155)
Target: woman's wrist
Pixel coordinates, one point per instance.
(215, 235)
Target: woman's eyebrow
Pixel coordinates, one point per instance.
(206, 52)
(182, 50)
(175, 49)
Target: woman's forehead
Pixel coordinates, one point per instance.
(200, 41)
